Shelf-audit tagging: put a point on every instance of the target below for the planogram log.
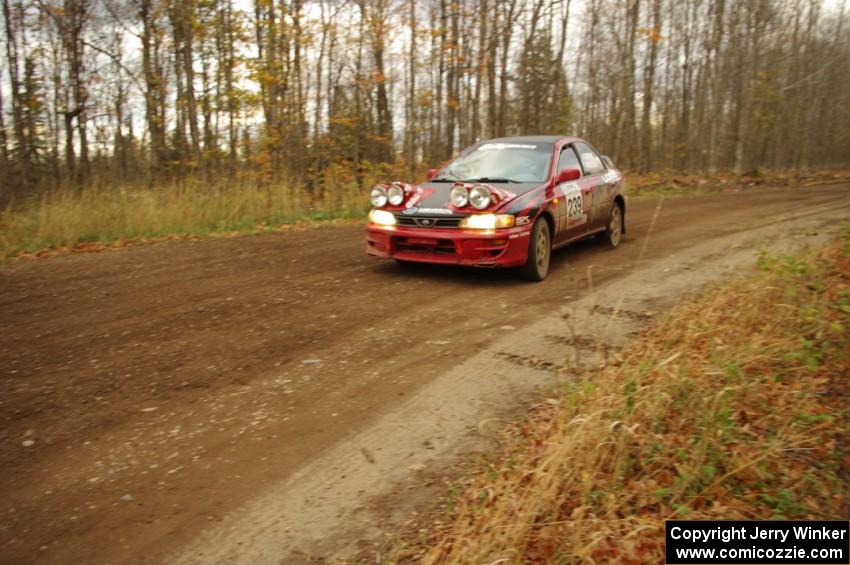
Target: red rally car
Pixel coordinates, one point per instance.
(502, 203)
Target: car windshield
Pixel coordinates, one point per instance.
(501, 162)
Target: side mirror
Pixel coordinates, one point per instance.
(567, 175)
(608, 162)
(431, 173)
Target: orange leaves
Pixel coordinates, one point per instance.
(378, 77)
(425, 99)
(651, 33)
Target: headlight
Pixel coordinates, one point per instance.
(382, 218)
(378, 196)
(480, 197)
(487, 221)
(459, 196)
(395, 195)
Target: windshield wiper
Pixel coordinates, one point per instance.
(492, 179)
(443, 179)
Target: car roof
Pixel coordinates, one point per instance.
(532, 139)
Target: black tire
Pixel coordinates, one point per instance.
(613, 233)
(539, 252)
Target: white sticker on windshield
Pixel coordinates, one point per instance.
(491, 146)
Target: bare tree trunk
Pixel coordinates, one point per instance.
(359, 133)
(480, 70)
(154, 80)
(117, 167)
(716, 86)
(229, 62)
(492, 46)
(452, 102)
(683, 150)
(589, 127)
(411, 118)
(376, 15)
(187, 16)
(532, 94)
(648, 88)
(318, 102)
(624, 131)
(331, 78)
(74, 19)
(180, 142)
(4, 144)
(298, 113)
(561, 115)
(507, 32)
(22, 151)
(437, 127)
(743, 122)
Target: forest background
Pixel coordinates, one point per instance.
(123, 118)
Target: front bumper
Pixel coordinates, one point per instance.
(450, 246)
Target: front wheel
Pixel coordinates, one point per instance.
(539, 252)
(614, 228)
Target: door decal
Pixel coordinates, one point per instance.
(574, 204)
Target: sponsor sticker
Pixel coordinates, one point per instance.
(523, 220)
(611, 176)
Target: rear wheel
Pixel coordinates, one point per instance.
(614, 228)
(539, 252)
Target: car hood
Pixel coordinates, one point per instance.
(435, 195)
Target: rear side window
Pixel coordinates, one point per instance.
(568, 160)
(591, 162)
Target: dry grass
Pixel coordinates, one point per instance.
(669, 183)
(733, 407)
(107, 214)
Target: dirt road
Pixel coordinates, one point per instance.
(149, 393)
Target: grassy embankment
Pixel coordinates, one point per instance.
(107, 215)
(652, 185)
(735, 406)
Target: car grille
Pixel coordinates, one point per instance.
(428, 221)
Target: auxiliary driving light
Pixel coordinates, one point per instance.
(480, 197)
(378, 196)
(395, 195)
(459, 196)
